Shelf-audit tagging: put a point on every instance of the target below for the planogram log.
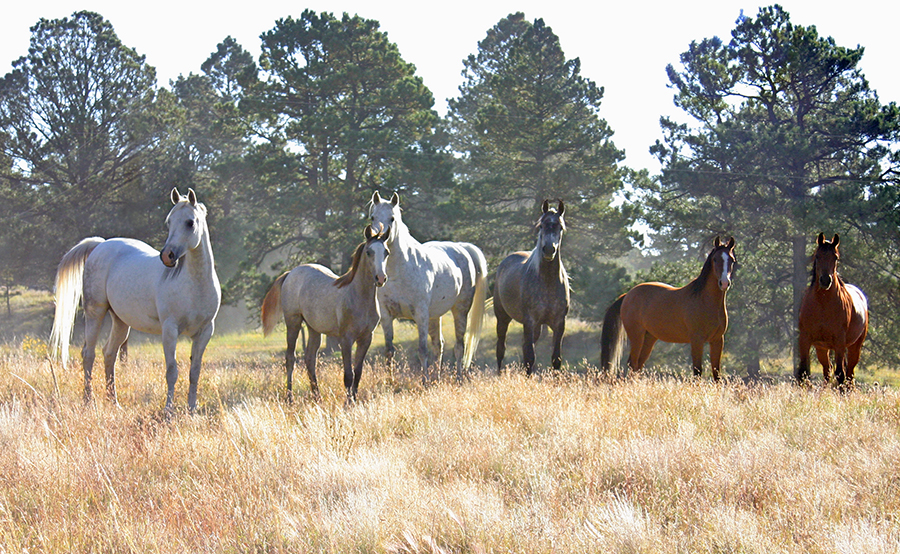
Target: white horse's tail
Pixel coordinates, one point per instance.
(476, 314)
(271, 306)
(69, 288)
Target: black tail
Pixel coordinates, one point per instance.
(612, 337)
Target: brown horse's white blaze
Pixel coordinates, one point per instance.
(833, 316)
(693, 314)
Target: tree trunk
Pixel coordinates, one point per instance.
(799, 283)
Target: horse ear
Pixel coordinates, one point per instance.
(730, 244)
(545, 207)
(395, 199)
(376, 198)
(369, 233)
(561, 208)
(175, 196)
(820, 239)
(192, 197)
(836, 240)
(717, 243)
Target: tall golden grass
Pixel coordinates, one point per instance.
(494, 464)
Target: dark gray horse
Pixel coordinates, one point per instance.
(533, 289)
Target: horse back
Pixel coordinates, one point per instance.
(308, 294)
(671, 314)
(859, 313)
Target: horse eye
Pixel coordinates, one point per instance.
(189, 223)
(369, 253)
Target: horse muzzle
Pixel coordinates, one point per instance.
(548, 252)
(380, 280)
(724, 284)
(169, 257)
(825, 281)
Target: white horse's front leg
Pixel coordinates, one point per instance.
(170, 340)
(387, 326)
(198, 346)
(422, 327)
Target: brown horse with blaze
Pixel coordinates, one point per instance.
(694, 313)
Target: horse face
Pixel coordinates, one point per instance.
(186, 222)
(376, 256)
(825, 264)
(724, 263)
(550, 231)
(384, 213)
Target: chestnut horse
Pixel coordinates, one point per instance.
(834, 315)
(692, 314)
(533, 288)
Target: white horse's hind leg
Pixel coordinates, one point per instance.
(118, 334)
(93, 320)
(437, 341)
(198, 346)
(460, 320)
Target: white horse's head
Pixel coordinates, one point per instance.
(385, 214)
(187, 224)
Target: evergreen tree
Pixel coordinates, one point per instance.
(79, 117)
(788, 141)
(337, 114)
(527, 127)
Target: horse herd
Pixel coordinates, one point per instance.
(392, 275)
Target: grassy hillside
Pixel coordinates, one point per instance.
(495, 464)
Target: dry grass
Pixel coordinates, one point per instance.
(508, 464)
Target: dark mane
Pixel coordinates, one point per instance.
(347, 278)
(696, 286)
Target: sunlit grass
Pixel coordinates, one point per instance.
(567, 463)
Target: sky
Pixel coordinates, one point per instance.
(624, 46)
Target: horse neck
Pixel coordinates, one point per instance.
(711, 288)
(199, 262)
(363, 284)
(552, 271)
(401, 242)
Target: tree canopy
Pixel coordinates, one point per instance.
(788, 140)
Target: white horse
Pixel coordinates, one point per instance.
(345, 307)
(427, 281)
(178, 295)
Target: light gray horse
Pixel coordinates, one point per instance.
(345, 307)
(427, 281)
(169, 293)
(533, 288)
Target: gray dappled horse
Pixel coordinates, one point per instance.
(533, 289)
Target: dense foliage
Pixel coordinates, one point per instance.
(786, 139)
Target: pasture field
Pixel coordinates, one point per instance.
(567, 463)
